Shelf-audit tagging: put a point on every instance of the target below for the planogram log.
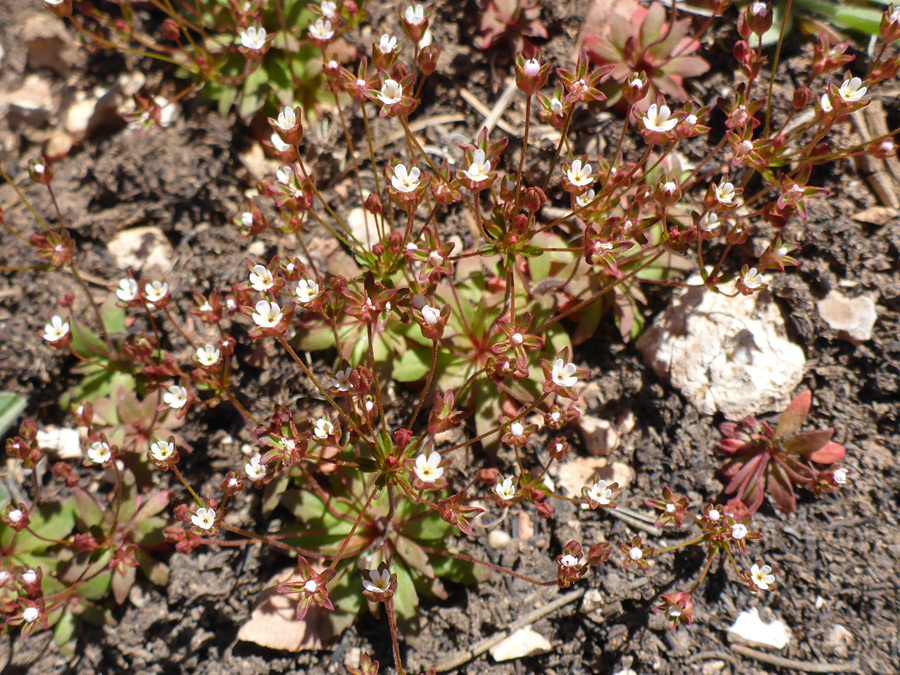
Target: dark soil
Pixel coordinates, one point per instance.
(838, 556)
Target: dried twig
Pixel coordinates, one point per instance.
(883, 175)
(492, 116)
(418, 125)
(794, 664)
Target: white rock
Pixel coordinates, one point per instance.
(600, 437)
(727, 354)
(363, 226)
(64, 442)
(142, 248)
(592, 601)
(498, 539)
(751, 630)
(524, 642)
(839, 641)
(852, 318)
(48, 43)
(33, 102)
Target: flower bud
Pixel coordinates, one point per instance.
(428, 58)
(802, 97)
(636, 87)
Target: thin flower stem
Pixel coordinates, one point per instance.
(497, 428)
(703, 573)
(489, 565)
(559, 147)
(395, 644)
(356, 521)
(524, 148)
(95, 308)
(24, 200)
(370, 351)
(187, 486)
(434, 351)
(262, 539)
(781, 34)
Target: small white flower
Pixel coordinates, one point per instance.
(758, 8)
(852, 90)
(255, 470)
(39, 168)
(284, 175)
(267, 314)
(556, 105)
(669, 187)
(323, 428)
(160, 451)
(568, 560)
(556, 417)
(436, 258)
(391, 92)
(636, 82)
(714, 515)
(840, 476)
(428, 469)
(306, 291)
(127, 290)
(635, 553)
(752, 279)
(176, 397)
(670, 508)
(341, 380)
(415, 15)
(56, 330)
(658, 118)
(207, 355)
(230, 305)
(505, 489)
(690, 120)
(563, 374)
(321, 30)
(311, 586)
(600, 493)
(738, 531)
(387, 44)
(361, 84)
(531, 68)
(762, 577)
(895, 16)
(517, 339)
(253, 38)
(517, 429)
(746, 146)
(405, 181)
(16, 515)
(31, 614)
(99, 452)
(328, 8)
(579, 175)
(287, 119)
(585, 199)
(724, 193)
(155, 291)
(277, 143)
(479, 168)
(29, 577)
(709, 222)
(246, 219)
(54, 3)
(4, 577)
(431, 315)
(261, 279)
(204, 518)
(378, 582)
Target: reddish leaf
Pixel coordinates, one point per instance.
(807, 442)
(122, 583)
(830, 453)
(794, 415)
(781, 491)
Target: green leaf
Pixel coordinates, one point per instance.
(428, 527)
(406, 600)
(113, 316)
(412, 366)
(96, 588)
(11, 406)
(156, 571)
(315, 340)
(86, 343)
(88, 511)
(64, 631)
(413, 555)
(53, 520)
(460, 571)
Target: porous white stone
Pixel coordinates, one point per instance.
(852, 318)
(751, 630)
(142, 248)
(524, 642)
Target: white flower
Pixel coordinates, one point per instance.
(659, 118)
(579, 175)
(563, 374)
(852, 90)
(428, 469)
(246, 219)
(479, 168)
(690, 120)
(261, 279)
(585, 199)
(321, 30)
(840, 476)
(403, 180)
(160, 451)
(568, 560)
(328, 8)
(155, 291)
(306, 291)
(16, 515)
(758, 8)
(341, 380)
(556, 105)
(517, 339)
(738, 531)
(206, 307)
(31, 614)
(436, 258)
(431, 315)
(505, 489)
(517, 429)
(669, 187)
(724, 193)
(253, 38)
(387, 44)
(29, 577)
(208, 355)
(378, 581)
(311, 586)
(267, 314)
(709, 222)
(600, 493)
(532, 67)
(277, 143)
(127, 290)
(54, 2)
(56, 330)
(287, 119)
(713, 515)
(391, 92)
(635, 553)
(415, 15)
(176, 397)
(895, 16)
(762, 576)
(284, 174)
(322, 429)
(204, 518)
(752, 279)
(99, 452)
(230, 304)
(255, 470)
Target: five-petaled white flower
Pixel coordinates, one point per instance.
(341, 380)
(428, 469)
(762, 577)
(752, 279)
(99, 452)
(659, 118)
(30, 614)
(635, 553)
(379, 581)
(127, 290)
(261, 279)
(579, 175)
(405, 181)
(415, 15)
(505, 489)
(724, 193)
(852, 90)
(600, 493)
(255, 470)
(568, 560)
(479, 168)
(207, 355)
(287, 119)
(306, 291)
(738, 531)
(391, 92)
(563, 374)
(16, 515)
(155, 291)
(267, 314)
(556, 105)
(284, 175)
(321, 29)
(176, 397)
(328, 8)
(160, 451)
(253, 38)
(204, 518)
(278, 143)
(709, 222)
(532, 67)
(323, 428)
(585, 199)
(29, 577)
(56, 330)
(713, 515)
(517, 429)
(431, 315)
(387, 44)
(840, 476)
